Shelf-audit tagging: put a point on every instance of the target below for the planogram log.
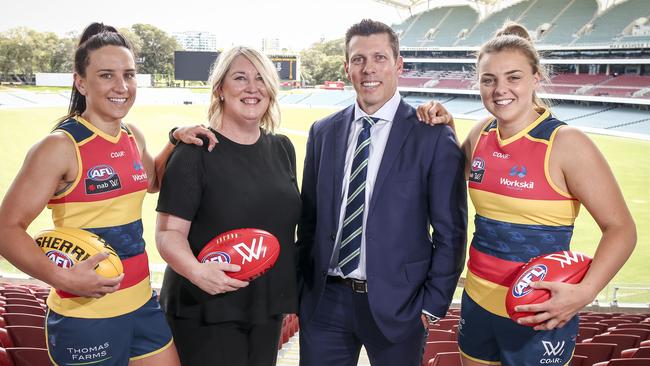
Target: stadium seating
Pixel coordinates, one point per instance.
(577, 360)
(595, 352)
(569, 22)
(23, 319)
(641, 352)
(586, 333)
(5, 360)
(643, 334)
(439, 335)
(29, 356)
(25, 309)
(625, 362)
(446, 359)
(486, 29)
(613, 21)
(431, 349)
(622, 342)
(26, 336)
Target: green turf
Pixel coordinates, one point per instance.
(627, 158)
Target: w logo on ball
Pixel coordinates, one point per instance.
(255, 251)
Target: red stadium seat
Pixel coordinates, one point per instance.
(634, 326)
(625, 362)
(578, 360)
(24, 319)
(5, 340)
(600, 326)
(27, 336)
(5, 360)
(591, 318)
(595, 352)
(18, 301)
(446, 324)
(29, 356)
(622, 342)
(614, 322)
(19, 295)
(641, 352)
(585, 333)
(644, 344)
(439, 335)
(446, 359)
(644, 334)
(633, 318)
(431, 349)
(25, 309)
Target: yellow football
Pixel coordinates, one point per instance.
(66, 246)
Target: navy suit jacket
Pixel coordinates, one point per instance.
(420, 184)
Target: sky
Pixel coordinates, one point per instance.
(296, 23)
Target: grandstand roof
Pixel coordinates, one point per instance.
(483, 7)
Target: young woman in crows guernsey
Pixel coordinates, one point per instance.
(92, 171)
(528, 175)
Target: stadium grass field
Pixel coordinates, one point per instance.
(627, 157)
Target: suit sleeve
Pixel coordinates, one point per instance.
(307, 223)
(448, 214)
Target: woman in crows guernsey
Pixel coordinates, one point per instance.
(93, 319)
(528, 175)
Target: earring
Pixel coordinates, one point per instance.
(221, 98)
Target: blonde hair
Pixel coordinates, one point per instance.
(514, 36)
(271, 118)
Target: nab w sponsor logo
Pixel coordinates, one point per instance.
(59, 258)
(101, 173)
(256, 250)
(217, 257)
(533, 274)
(566, 258)
(552, 353)
(101, 179)
(477, 170)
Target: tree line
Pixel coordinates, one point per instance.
(25, 52)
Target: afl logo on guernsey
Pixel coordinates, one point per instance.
(534, 274)
(59, 258)
(216, 257)
(101, 172)
(101, 179)
(477, 171)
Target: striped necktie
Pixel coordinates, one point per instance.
(353, 222)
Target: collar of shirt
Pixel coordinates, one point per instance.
(385, 113)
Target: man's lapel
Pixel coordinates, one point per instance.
(398, 133)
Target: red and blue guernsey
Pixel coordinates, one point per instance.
(106, 199)
(520, 212)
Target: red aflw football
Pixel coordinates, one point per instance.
(254, 250)
(565, 266)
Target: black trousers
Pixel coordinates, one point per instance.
(226, 344)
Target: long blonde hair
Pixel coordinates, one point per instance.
(271, 118)
(514, 36)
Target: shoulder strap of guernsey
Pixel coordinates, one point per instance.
(76, 129)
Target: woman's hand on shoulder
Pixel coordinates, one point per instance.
(191, 135)
(434, 113)
(82, 280)
(565, 302)
(211, 277)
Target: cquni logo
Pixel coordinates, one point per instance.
(101, 172)
(60, 258)
(522, 285)
(216, 257)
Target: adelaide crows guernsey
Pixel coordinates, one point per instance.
(520, 212)
(106, 199)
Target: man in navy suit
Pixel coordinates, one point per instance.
(376, 181)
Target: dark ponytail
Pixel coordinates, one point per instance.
(94, 37)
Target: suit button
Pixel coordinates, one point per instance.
(333, 236)
(324, 273)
